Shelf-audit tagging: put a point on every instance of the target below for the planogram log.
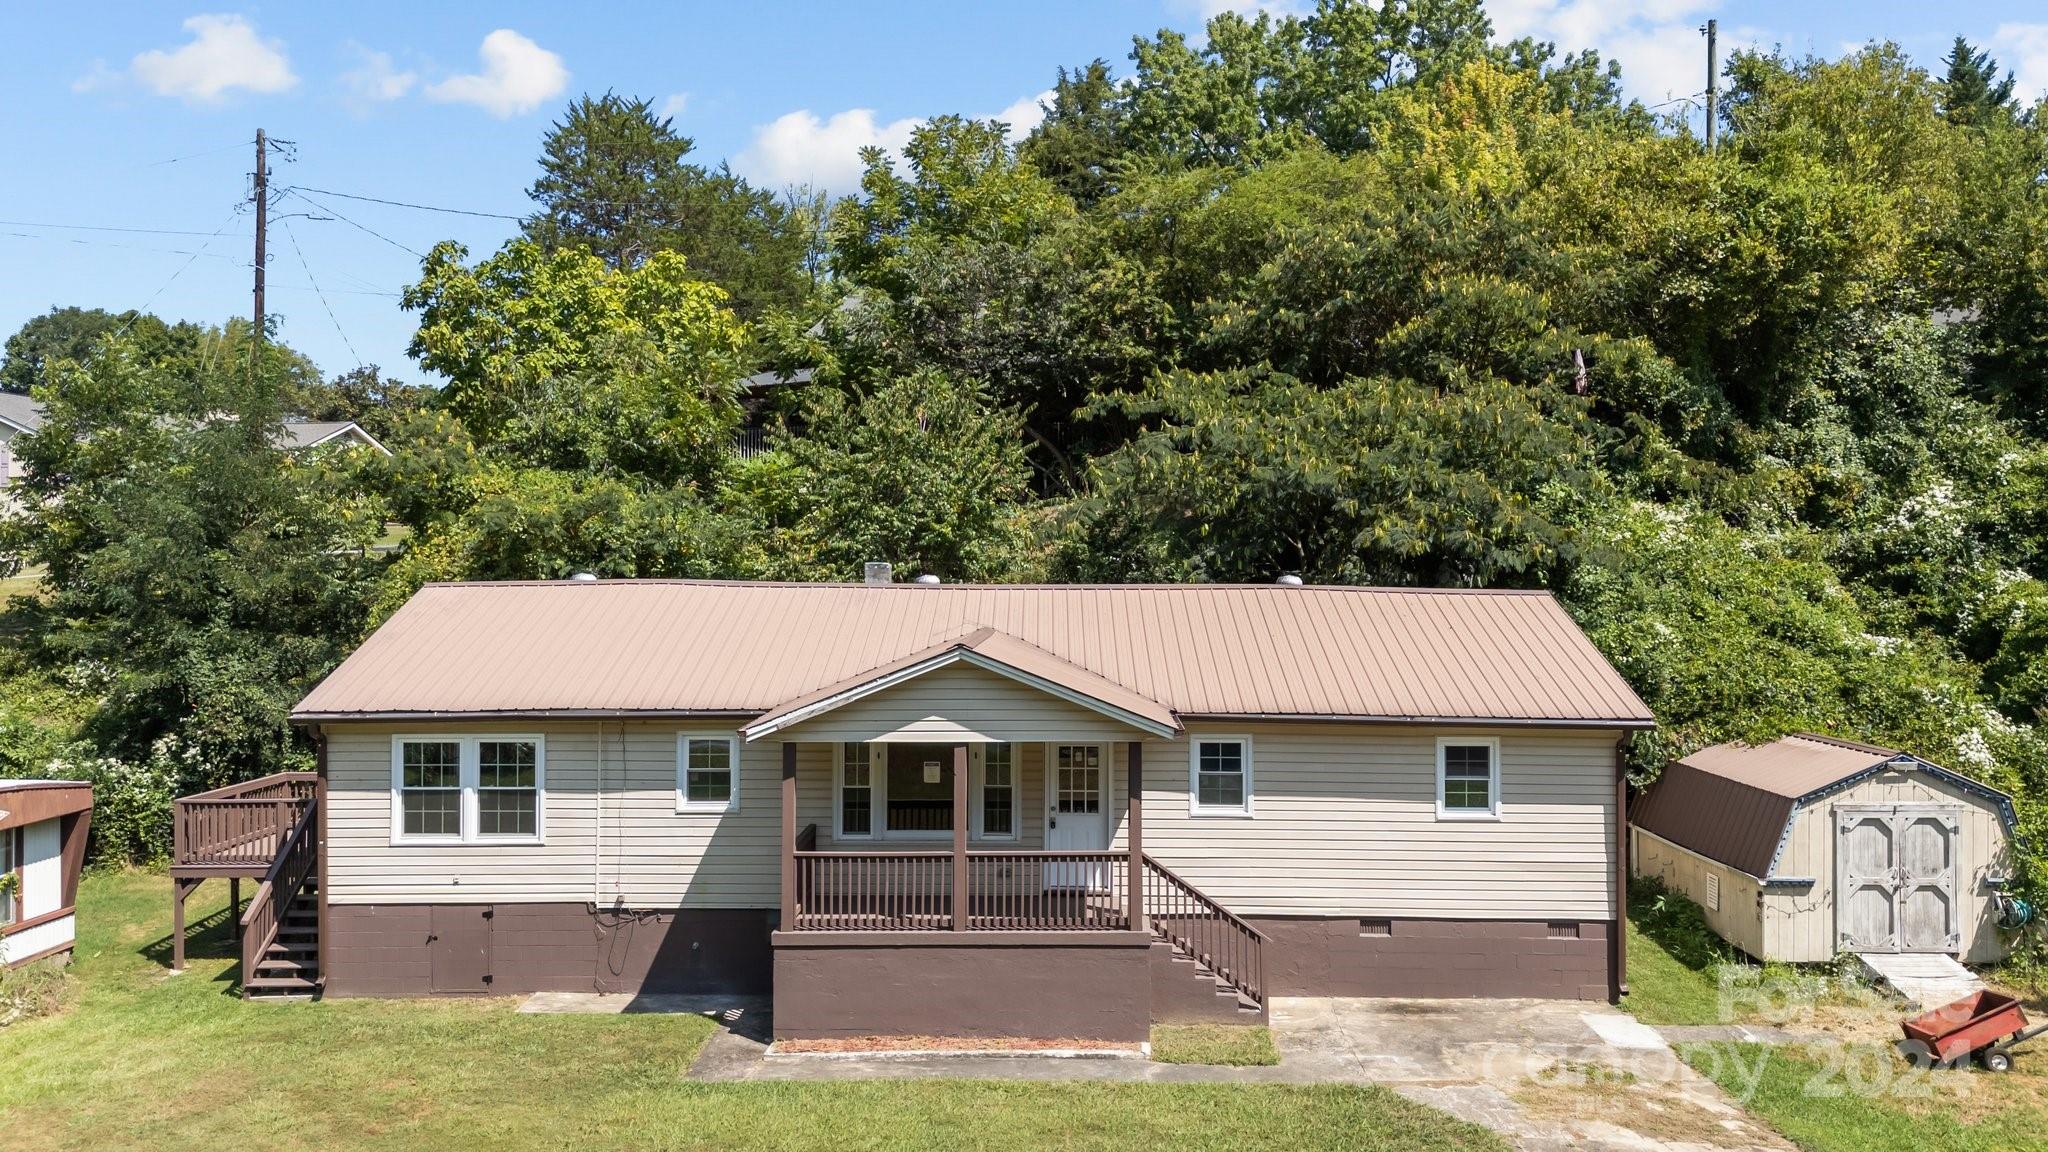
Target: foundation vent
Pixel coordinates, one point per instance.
(1564, 931)
(1375, 927)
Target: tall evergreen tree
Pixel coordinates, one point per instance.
(615, 182)
(1972, 92)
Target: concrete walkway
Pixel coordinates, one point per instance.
(1549, 1075)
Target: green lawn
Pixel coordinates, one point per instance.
(141, 1059)
(1857, 1095)
(1232, 1044)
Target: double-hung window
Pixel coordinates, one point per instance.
(856, 791)
(1467, 778)
(467, 789)
(707, 772)
(1220, 776)
(999, 792)
(10, 875)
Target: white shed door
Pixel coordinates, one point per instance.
(1895, 885)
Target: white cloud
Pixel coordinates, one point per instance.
(224, 54)
(1658, 42)
(375, 79)
(800, 148)
(2024, 49)
(518, 76)
(675, 105)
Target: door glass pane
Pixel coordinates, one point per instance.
(1077, 778)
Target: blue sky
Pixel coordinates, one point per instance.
(138, 116)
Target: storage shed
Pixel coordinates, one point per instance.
(1809, 846)
(43, 825)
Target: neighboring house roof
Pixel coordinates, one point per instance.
(301, 434)
(750, 650)
(773, 379)
(1732, 802)
(20, 412)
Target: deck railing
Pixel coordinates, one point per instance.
(1017, 891)
(241, 826)
(281, 885)
(1200, 927)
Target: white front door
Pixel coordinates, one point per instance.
(1076, 812)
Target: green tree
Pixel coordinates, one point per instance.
(614, 182)
(72, 333)
(1971, 92)
(199, 578)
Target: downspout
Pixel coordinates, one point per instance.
(1617, 938)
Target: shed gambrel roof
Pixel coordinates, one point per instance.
(1733, 802)
(679, 647)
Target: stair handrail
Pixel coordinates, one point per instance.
(1238, 958)
(282, 882)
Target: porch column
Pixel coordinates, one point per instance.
(1134, 821)
(960, 895)
(788, 921)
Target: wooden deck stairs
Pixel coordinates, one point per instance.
(290, 966)
(267, 830)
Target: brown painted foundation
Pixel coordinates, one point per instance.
(475, 949)
(1088, 986)
(1317, 956)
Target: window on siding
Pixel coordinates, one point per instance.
(10, 864)
(1468, 778)
(467, 788)
(1220, 768)
(999, 791)
(507, 790)
(430, 781)
(857, 790)
(705, 766)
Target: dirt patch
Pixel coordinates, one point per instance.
(1581, 1092)
(948, 1044)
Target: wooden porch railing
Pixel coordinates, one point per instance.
(294, 865)
(1023, 891)
(240, 827)
(1200, 927)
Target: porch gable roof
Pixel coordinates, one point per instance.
(990, 650)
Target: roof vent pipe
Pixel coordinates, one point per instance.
(928, 578)
(583, 578)
(877, 572)
(1288, 580)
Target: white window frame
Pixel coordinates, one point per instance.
(877, 815)
(1195, 805)
(468, 819)
(1492, 744)
(684, 805)
(978, 781)
(11, 865)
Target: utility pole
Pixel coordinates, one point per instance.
(262, 219)
(1713, 76)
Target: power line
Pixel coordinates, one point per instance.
(406, 204)
(301, 193)
(105, 228)
(239, 144)
(300, 253)
(232, 213)
(124, 247)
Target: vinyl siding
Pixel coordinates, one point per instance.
(960, 703)
(1345, 824)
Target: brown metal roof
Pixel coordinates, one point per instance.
(33, 801)
(1730, 802)
(678, 647)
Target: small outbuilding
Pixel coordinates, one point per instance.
(43, 826)
(1808, 847)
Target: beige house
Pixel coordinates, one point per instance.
(917, 808)
(1808, 847)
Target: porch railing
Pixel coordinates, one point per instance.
(281, 885)
(1021, 891)
(1200, 927)
(242, 826)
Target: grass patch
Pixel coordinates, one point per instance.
(32, 990)
(1238, 1045)
(1847, 1096)
(1577, 1091)
(142, 1059)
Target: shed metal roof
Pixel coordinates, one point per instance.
(707, 647)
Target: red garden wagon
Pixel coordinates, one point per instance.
(1986, 1025)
